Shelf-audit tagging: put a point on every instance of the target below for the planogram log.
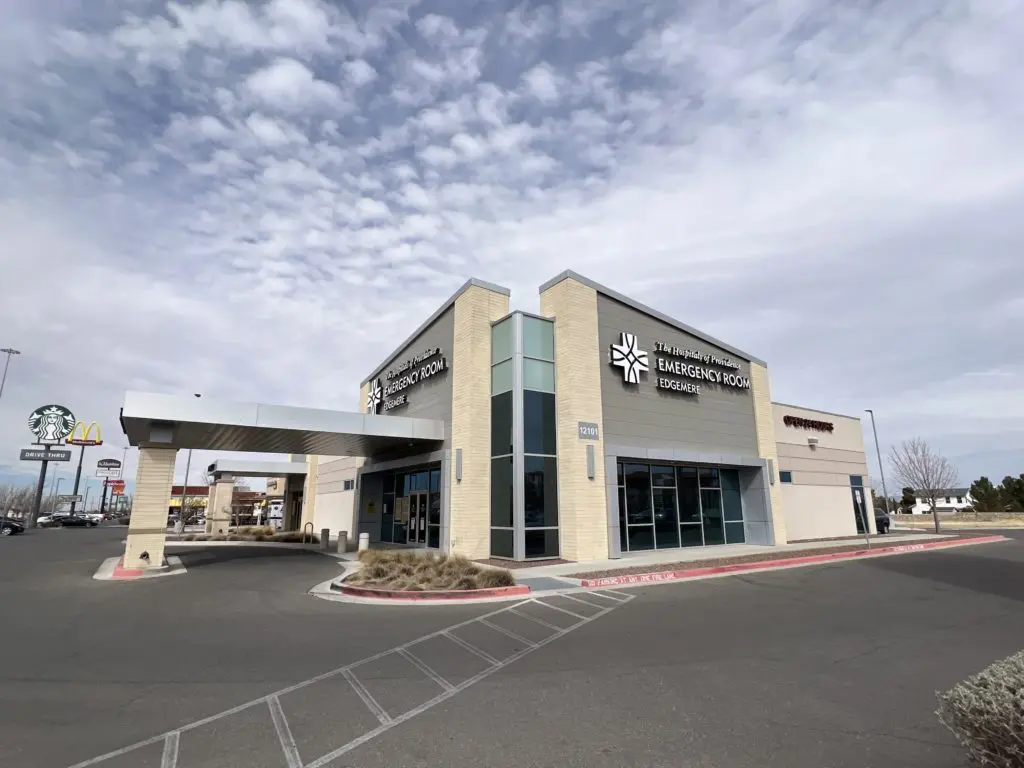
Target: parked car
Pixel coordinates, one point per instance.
(882, 521)
(96, 517)
(74, 521)
(9, 526)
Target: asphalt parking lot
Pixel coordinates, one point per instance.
(833, 665)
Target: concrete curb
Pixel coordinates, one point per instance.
(460, 595)
(790, 562)
(112, 570)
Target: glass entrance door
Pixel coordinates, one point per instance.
(417, 531)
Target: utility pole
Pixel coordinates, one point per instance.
(10, 352)
(881, 469)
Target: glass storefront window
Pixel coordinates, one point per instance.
(664, 477)
(641, 537)
(501, 492)
(734, 533)
(711, 510)
(400, 487)
(435, 480)
(666, 526)
(434, 536)
(690, 535)
(623, 543)
(501, 341)
(502, 542)
(434, 510)
(689, 494)
(542, 543)
(709, 477)
(732, 497)
(501, 378)
(539, 375)
(540, 498)
(539, 423)
(638, 495)
(538, 338)
(501, 424)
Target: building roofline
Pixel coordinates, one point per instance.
(571, 275)
(472, 282)
(815, 410)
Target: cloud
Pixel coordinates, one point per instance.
(258, 200)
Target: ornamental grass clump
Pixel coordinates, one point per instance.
(405, 570)
(986, 713)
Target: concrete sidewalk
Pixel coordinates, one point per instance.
(697, 554)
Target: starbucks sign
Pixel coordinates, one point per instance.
(51, 423)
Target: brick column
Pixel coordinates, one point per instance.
(147, 528)
(764, 426)
(582, 505)
(475, 310)
(309, 491)
(218, 510)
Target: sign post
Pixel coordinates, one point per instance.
(110, 469)
(50, 424)
(81, 435)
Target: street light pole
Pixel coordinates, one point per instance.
(881, 469)
(10, 352)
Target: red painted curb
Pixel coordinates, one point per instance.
(762, 565)
(455, 594)
(120, 572)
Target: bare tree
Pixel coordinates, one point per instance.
(917, 466)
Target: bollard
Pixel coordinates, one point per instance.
(325, 539)
(342, 542)
(364, 542)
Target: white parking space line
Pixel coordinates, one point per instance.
(368, 699)
(471, 648)
(508, 633)
(425, 669)
(581, 600)
(534, 619)
(566, 610)
(284, 733)
(606, 597)
(170, 756)
(320, 762)
(612, 595)
(171, 739)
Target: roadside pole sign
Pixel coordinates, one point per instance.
(117, 490)
(108, 468)
(112, 483)
(44, 454)
(69, 498)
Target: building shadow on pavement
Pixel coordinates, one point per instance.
(1002, 577)
(201, 557)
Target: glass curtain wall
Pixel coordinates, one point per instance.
(502, 447)
(663, 506)
(540, 463)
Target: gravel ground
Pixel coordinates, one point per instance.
(714, 562)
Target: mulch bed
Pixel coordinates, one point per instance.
(879, 537)
(714, 562)
(514, 564)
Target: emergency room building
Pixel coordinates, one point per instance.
(593, 429)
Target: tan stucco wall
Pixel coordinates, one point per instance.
(818, 503)
(334, 507)
(582, 505)
(218, 510)
(766, 447)
(475, 310)
(147, 528)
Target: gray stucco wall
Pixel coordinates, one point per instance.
(718, 421)
(430, 398)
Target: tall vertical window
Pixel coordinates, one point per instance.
(540, 463)
(502, 446)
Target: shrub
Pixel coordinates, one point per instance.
(294, 537)
(986, 713)
(491, 579)
(406, 570)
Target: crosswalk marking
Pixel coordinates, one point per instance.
(534, 619)
(423, 667)
(284, 733)
(169, 759)
(508, 633)
(366, 696)
(472, 648)
(576, 599)
(566, 610)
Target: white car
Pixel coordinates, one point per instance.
(93, 517)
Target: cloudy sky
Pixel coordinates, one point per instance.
(259, 200)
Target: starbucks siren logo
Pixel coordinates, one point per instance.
(51, 423)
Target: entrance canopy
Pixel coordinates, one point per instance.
(237, 468)
(179, 421)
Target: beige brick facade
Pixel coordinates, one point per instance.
(475, 310)
(309, 491)
(582, 506)
(764, 422)
(147, 529)
(218, 510)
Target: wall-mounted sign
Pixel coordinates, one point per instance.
(41, 454)
(51, 423)
(389, 391)
(683, 368)
(801, 423)
(588, 430)
(82, 435)
(628, 356)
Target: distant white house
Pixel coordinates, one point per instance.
(949, 500)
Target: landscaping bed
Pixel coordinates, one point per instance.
(404, 571)
(715, 562)
(514, 564)
(251, 533)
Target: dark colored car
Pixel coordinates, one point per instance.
(882, 521)
(9, 527)
(73, 521)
